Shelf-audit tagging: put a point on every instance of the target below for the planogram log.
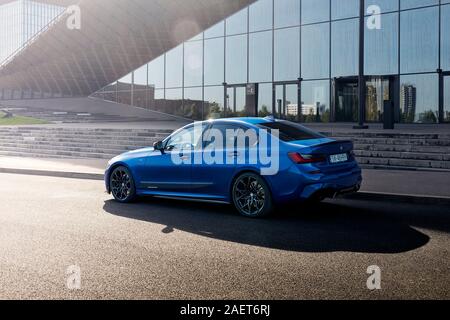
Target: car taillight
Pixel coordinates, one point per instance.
(305, 158)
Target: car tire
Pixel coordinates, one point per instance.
(122, 185)
(251, 196)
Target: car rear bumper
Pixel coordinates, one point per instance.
(333, 187)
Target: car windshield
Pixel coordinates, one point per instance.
(291, 131)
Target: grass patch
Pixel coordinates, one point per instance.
(18, 120)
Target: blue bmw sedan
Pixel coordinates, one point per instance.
(252, 163)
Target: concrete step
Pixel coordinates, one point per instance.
(403, 155)
(50, 153)
(32, 146)
(409, 163)
(81, 144)
(403, 148)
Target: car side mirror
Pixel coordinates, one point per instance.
(159, 146)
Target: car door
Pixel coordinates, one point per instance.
(169, 171)
(212, 179)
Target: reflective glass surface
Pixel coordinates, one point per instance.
(419, 98)
(316, 51)
(260, 56)
(287, 54)
(344, 48)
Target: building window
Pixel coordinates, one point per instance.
(156, 72)
(193, 103)
(213, 105)
(193, 63)
(385, 5)
(419, 98)
(214, 61)
(341, 9)
(236, 59)
(419, 40)
(287, 13)
(345, 48)
(174, 67)
(215, 31)
(315, 11)
(260, 57)
(237, 23)
(409, 4)
(445, 37)
(261, 15)
(287, 54)
(381, 47)
(316, 51)
(315, 104)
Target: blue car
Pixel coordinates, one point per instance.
(252, 163)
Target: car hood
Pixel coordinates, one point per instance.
(132, 155)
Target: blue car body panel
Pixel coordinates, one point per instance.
(155, 174)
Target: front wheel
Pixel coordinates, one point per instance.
(122, 185)
(251, 196)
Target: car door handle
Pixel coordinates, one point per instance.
(234, 154)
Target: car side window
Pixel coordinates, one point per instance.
(186, 139)
(250, 140)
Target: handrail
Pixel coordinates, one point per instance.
(32, 39)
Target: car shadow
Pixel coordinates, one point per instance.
(340, 225)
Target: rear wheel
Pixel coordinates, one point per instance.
(251, 196)
(122, 185)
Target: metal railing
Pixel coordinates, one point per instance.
(33, 38)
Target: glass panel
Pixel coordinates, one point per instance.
(419, 40)
(287, 55)
(316, 101)
(377, 92)
(174, 102)
(385, 5)
(341, 9)
(213, 102)
(261, 15)
(215, 31)
(124, 83)
(279, 102)
(124, 97)
(347, 108)
(264, 99)
(445, 37)
(193, 103)
(261, 56)
(140, 76)
(419, 98)
(381, 47)
(214, 61)
(237, 23)
(315, 11)
(236, 59)
(193, 63)
(174, 67)
(291, 100)
(287, 13)
(345, 49)
(156, 72)
(447, 99)
(315, 51)
(408, 4)
(236, 102)
(141, 97)
(156, 101)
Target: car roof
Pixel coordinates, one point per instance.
(245, 120)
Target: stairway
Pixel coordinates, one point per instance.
(373, 150)
(400, 151)
(75, 143)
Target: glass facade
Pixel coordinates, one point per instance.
(21, 20)
(303, 56)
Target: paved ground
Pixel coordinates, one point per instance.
(166, 249)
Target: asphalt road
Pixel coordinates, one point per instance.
(160, 249)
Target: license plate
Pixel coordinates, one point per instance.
(337, 158)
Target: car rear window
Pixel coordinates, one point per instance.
(290, 131)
